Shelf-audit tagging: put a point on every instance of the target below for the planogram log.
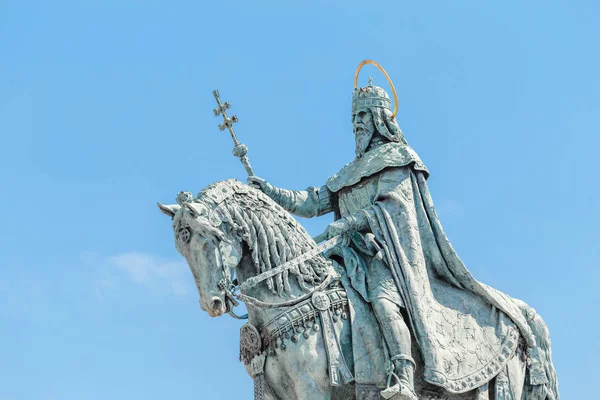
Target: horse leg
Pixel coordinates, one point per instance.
(510, 382)
(483, 392)
(301, 386)
(516, 373)
(299, 372)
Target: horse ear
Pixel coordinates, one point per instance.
(193, 209)
(169, 210)
(200, 210)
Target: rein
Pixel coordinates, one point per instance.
(255, 302)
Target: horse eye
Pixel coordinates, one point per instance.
(184, 235)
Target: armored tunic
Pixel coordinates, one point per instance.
(379, 281)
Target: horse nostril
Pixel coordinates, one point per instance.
(216, 305)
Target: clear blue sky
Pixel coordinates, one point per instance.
(106, 108)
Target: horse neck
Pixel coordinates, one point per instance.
(259, 315)
(271, 237)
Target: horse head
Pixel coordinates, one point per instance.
(203, 237)
(229, 220)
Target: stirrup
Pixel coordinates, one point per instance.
(391, 391)
(398, 388)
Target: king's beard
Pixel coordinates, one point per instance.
(363, 138)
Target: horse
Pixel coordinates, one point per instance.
(236, 240)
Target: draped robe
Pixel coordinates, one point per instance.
(466, 331)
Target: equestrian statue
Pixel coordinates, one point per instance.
(383, 307)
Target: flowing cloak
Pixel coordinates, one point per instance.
(466, 331)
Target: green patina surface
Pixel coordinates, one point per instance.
(390, 310)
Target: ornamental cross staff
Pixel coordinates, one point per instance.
(239, 150)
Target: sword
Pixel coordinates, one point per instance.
(239, 150)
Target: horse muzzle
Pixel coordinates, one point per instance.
(217, 307)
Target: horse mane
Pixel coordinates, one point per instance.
(272, 235)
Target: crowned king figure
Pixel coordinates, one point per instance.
(399, 259)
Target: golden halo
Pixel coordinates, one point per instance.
(384, 73)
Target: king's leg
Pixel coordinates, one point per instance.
(397, 337)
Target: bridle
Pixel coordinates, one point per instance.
(229, 287)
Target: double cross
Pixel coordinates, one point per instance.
(239, 150)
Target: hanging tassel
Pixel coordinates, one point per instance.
(258, 373)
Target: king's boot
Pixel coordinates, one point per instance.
(404, 367)
(403, 373)
(401, 368)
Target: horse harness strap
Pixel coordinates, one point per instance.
(328, 305)
(258, 303)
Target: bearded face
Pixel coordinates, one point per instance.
(364, 128)
(373, 126)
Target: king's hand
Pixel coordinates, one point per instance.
(260, 184)
(350, 223)
(336, 228)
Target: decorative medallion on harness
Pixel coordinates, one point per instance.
(321, 301)
(250, 343)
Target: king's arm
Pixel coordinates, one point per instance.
(354, 222)
(392, 184)
(312, 202)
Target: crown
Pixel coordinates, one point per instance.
(372, 96)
